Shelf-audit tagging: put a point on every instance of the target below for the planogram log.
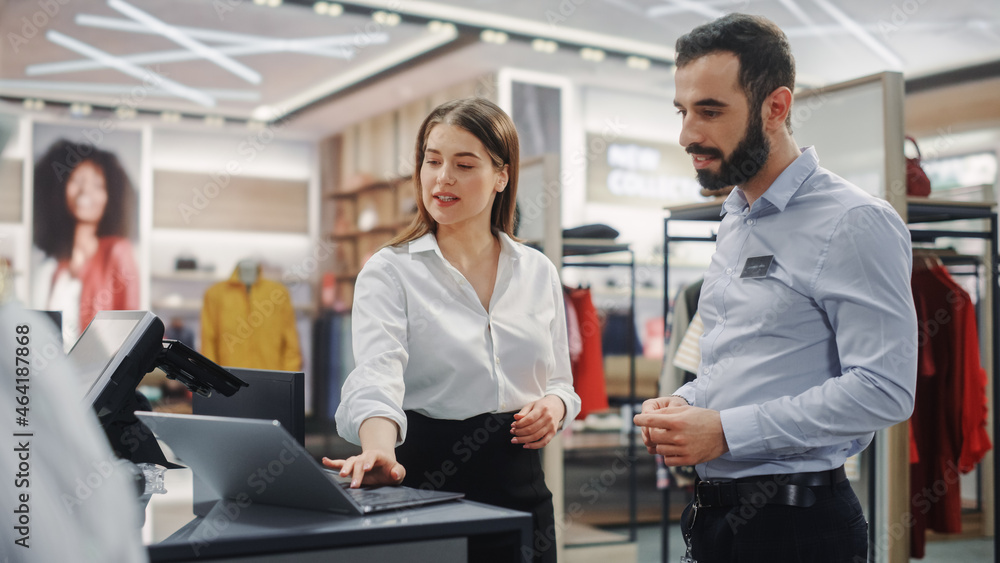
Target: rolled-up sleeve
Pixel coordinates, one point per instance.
(862, 284)
(375, 387)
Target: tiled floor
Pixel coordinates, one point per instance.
(964, 551)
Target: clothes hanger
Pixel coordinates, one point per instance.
(927, 259)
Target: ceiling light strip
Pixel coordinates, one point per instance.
(357, 73)
(669, 10)
(695, 7)
(810, 25)
(175, 35)
(486, 20)
(218, 36)
(277, 46)
(895, 63)
(147, 76)
(836, 29)
(118, 89)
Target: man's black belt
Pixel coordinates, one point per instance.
(792, 489)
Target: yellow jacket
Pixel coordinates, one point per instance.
(250, 330)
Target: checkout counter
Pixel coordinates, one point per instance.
(114, 353)
(232, 532)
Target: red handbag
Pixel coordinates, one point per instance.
(917, 182)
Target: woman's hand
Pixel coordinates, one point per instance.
(537, 423)
(372, 467)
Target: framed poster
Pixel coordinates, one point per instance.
(84, 222)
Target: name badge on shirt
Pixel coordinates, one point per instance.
(757, 266)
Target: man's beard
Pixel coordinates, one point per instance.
(746, 160)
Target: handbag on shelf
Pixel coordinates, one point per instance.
(917, 182)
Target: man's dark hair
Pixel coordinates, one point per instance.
(766, 61)
(54, 225)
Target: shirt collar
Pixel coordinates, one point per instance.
(784, 186)
(429, 243)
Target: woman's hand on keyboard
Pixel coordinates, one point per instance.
(372, 467)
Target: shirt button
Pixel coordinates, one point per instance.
(729, 271)
(497, 358)
(750, 222)
(704, 371)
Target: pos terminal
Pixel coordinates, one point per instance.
(113, 354)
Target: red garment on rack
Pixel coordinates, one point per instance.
(588, 369)
(948, 425)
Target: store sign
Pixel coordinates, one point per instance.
(638, 172)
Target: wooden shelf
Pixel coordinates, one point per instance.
(384, 185)
(198, 276)
(195, 305)
(385, 229)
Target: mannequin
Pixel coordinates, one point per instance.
(248, 268)
(249, 321)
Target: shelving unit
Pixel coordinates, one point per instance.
(364, 217)
(587, 248)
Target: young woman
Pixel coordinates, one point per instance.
(459, 334)
(83, 218)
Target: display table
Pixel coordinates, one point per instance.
(230, 532)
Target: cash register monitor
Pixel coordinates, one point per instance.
(113, 354)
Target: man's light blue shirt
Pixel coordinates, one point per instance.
(808, 360)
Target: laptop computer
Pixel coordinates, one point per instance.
(259, 461)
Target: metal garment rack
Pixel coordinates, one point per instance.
(707, 211)
(598, 247)
(922, 211)
(919, 211)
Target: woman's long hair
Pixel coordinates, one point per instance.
(54, 224)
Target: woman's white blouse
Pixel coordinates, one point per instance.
(422, 340)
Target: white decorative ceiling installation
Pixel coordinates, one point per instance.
(226, 57)
(244, 59)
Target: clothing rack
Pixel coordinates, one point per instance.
(706, 211)
(919, 211)
(923, 211)
(597, 247)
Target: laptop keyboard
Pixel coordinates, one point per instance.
(381, 496)
(374, 496)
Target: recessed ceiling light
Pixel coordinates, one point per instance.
(544, 46)
(170, 117)
(335, 10)
(591, 54)
(34, 104)
(321, 8)
(495, 37)
(79, 109)
(639, 63)
(274, 3)
(125, 112)
(215, 120)
(389, 19)
(436, 26)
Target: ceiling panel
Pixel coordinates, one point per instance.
(292, 49)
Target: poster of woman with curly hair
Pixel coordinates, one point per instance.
(84, 224)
